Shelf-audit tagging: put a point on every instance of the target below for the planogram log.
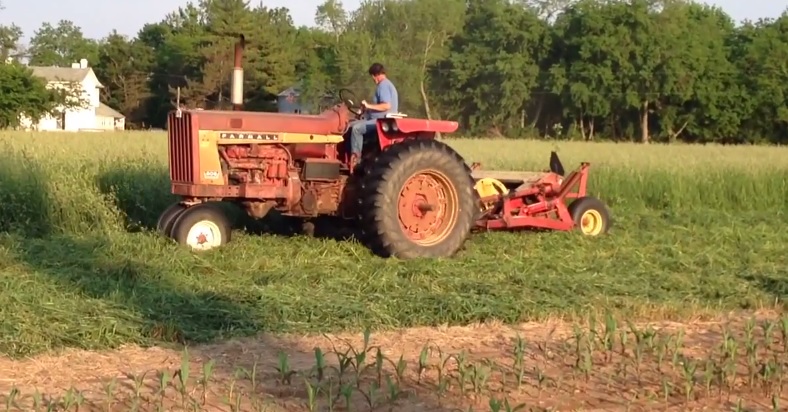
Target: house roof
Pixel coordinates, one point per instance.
(64, 74)
(290, 90)
(106, 111)
(295, 90)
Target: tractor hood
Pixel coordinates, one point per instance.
(333, 121)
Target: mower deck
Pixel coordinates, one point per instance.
(537, 200)
(512, 179)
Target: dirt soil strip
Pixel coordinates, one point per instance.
(549, 359)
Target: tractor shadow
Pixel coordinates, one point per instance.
(139, 193)
(25, 200)
(276, 224)
(144, 304)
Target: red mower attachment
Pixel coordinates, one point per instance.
(539, 200)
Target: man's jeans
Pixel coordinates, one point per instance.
(358, 130)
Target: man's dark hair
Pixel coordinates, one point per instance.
(376, 69)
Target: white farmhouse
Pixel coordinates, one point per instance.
(93, 116)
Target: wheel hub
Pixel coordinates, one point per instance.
(426, 207)
(204, 235)
(591, 223)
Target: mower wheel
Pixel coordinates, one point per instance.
(417, 200)
(590, 215)
(167, 218)
(202, 227)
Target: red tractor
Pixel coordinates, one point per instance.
(410, 196)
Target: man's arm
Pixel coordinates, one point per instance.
(384, 97)
(380, 107)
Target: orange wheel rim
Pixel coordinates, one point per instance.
(427, 207)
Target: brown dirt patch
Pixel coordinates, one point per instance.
(650, 368)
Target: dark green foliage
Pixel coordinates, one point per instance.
(22, 94)
(642, 70)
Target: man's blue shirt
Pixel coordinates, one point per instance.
(385, 92)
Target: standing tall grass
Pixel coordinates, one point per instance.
(675, 177)
(63, 182)
(74, 183)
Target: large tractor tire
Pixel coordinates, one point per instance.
(417, 200)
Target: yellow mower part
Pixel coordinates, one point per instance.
(487, 187)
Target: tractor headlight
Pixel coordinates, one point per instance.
(386, 127)
(394, 126)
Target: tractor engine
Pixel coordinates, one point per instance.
(255, 164)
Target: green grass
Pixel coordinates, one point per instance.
(697, 230)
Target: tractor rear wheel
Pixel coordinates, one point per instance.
(202, 227)
(417, 200)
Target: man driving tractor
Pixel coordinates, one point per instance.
(386, 100)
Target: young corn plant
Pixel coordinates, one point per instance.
(207, 373)
(312, 393)
(504, 406)
(283, 369)
(609, 336)
(320, 364)
(183, 375)
(399, 368)
(10, 400)
(423, 363)
(784, 332)
(480, 373)
(689, 367)
(519, 359)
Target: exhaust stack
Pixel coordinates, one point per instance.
(237, 90)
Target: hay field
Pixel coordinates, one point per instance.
(698, 231)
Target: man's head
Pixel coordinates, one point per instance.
(378, 72)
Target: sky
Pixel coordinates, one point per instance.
(97, 18)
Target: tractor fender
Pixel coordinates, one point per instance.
(407, 126)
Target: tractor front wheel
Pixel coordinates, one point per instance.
(590, 215)
(417, 200)
(167, 218)
(202, 227)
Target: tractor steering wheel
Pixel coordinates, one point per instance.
(349, 100)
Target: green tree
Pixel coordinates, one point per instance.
(61, 45)
(587, 52)
(761, 50)
(124, 68)
(709, 106)
(24, 95)
(494, 66)
(9, 43)
(644, 70)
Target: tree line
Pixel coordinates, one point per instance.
(634, 70)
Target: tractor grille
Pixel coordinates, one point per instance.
(180, 147)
